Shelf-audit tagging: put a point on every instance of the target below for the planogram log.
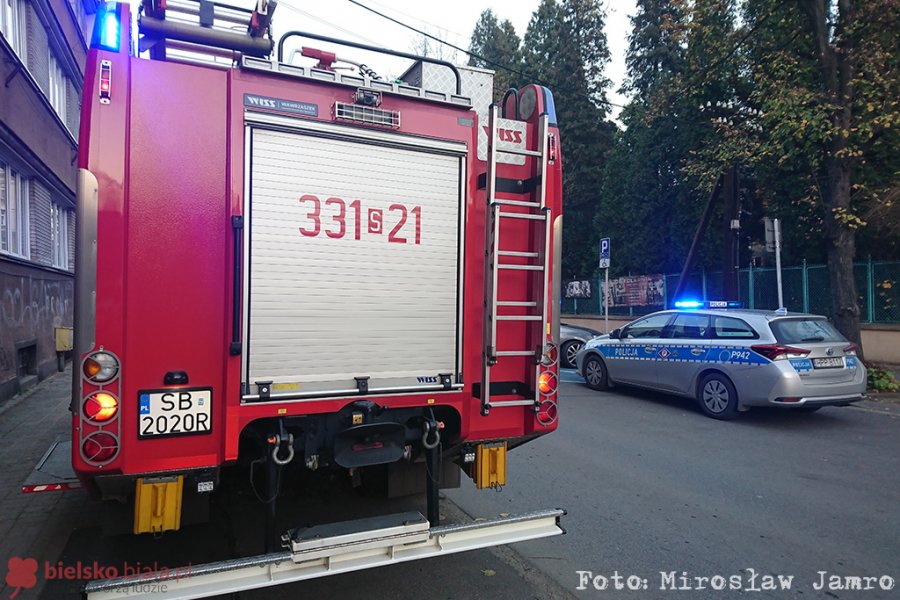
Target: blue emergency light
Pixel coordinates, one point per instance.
(107, 27)
(688, 304)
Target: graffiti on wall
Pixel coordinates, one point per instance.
(36, 301)
(31, 306)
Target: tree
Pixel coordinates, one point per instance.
(427, 46)
(655, 49)
(565, 49)
(498, 43)
(826, 77)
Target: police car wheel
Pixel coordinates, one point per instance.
(569, 351)
(595, 373)
(717, 397)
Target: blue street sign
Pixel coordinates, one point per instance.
(604, 253)
(604, 248)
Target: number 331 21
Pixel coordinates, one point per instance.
(338, 221)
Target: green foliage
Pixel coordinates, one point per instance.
(802, 94)
(882, 380)
(565, 48)
(496, 41)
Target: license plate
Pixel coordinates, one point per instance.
(174, 412)
(828, 363)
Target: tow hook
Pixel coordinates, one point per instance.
(431, 427)
(279, 441)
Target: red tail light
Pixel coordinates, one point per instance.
(100, 407)
(547, 412)
(850, 349)
(547, 382)
(777, 351)
(100, 447)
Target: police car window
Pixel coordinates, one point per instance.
(651, 326)
(690, 326)
(731, 328)
(793, 331)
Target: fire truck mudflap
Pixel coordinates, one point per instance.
(330, 550)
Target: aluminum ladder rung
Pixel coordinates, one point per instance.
(518, 317)
(512, 403)
(510, 215)
(519, 254)
(517, 203)
(521, 267)
(530, 208)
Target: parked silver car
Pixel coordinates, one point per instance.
(730, 360)
(571, 339)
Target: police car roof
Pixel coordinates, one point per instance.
(748, 312)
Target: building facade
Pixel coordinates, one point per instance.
(43, 45)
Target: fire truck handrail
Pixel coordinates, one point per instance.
(323, 38)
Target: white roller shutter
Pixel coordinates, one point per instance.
(327, 309)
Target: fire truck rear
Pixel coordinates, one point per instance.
(284, 262)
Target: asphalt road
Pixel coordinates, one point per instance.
(653, 487)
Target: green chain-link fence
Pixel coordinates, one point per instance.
(805, 289)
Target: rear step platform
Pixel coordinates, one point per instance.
(330, 550)
(53, 472)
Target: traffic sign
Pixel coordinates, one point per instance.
(604, 253)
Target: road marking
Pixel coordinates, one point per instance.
(570, 376)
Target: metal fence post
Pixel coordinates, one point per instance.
(750, 286)
(665, 293)
(870, 290)
(805, 284)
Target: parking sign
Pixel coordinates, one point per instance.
(604, 253)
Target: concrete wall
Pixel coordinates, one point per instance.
(35, 298)
(880, 342)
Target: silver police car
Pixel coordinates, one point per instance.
(730, 360)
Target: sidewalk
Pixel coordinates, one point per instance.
(30, 523)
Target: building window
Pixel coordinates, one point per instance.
(59, 235)
(12, 25)
(13, 212)
(80, 17)
(58, 85)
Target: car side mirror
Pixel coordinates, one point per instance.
(616, 334)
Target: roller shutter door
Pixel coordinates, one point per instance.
(354, 254)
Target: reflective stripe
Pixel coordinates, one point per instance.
(736, 355)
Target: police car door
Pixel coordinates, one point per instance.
(633, 359)
(683, 354)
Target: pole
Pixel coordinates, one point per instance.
(730, 233)
(698, 235)
(606, 300)
(805, 288)
(870, 290)
(778, 261)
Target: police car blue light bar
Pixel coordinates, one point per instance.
(688, 304)
(707, 304)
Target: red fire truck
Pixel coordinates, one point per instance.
(293, 263)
